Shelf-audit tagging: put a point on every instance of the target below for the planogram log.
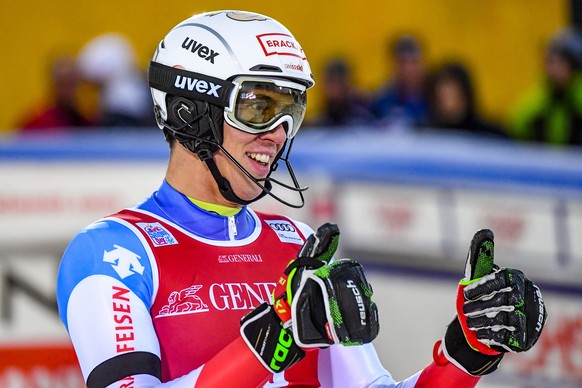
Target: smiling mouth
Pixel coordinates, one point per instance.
(263, 159)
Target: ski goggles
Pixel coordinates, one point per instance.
(259, 105)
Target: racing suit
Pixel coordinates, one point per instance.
(150, 295)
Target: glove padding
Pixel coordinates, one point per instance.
(263, 330)
(273, 345)
(498, 311)
(326, 303)
(505, 310)
(333, 305)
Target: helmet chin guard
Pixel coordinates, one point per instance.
(193, 78)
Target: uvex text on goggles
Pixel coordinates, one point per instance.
(252, 104)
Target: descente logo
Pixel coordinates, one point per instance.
(201, 86)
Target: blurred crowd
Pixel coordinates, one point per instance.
(418, 98)
(415, 97)
(101, 86)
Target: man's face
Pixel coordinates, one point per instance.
(451, 103)
(254, 152)
(410, 72)
(558, 70)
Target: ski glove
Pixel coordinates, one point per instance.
(499, 310)
(272, 344)
(326, 302)
(268, 333)
(316, 304)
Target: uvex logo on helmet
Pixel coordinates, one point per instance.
(203, 52)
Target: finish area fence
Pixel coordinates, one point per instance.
(407, 207)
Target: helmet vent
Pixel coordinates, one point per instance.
(266, 68)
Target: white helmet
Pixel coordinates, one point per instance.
(224, 45)
(205, 66)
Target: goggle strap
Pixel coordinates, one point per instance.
(223, 183)
(189, 84)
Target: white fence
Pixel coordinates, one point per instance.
(407, 208)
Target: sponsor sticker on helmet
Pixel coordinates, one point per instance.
(286, 231)
(158, 234)
(280, 44)
(243, 16)
(202, 51)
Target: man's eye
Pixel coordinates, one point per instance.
(259, 105)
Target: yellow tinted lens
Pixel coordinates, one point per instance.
(259, 104)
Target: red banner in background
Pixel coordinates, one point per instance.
(39, 366)
(558, 354)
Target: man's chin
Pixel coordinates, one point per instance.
(249, 192)
(245, 188)
(251, 196)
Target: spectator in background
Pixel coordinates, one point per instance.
(451, 102)
(344, 103)
(552, 111)
(61, 109)
(109, 62)
(401, 101)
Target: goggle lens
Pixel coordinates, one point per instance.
(259, 104)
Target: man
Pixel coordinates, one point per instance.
(193, 288)
(551, 112)
(108, 64)
(344, 103)
(61, 110)
(401, 101)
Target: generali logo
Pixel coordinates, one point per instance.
(184, 302)
(240, 258)
(199, 298)
(280, 44)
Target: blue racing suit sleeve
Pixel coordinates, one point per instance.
(108, 248)
(106, 285)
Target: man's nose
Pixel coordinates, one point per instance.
(276, 135)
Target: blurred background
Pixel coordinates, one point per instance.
(430, 119)
(502, 42)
